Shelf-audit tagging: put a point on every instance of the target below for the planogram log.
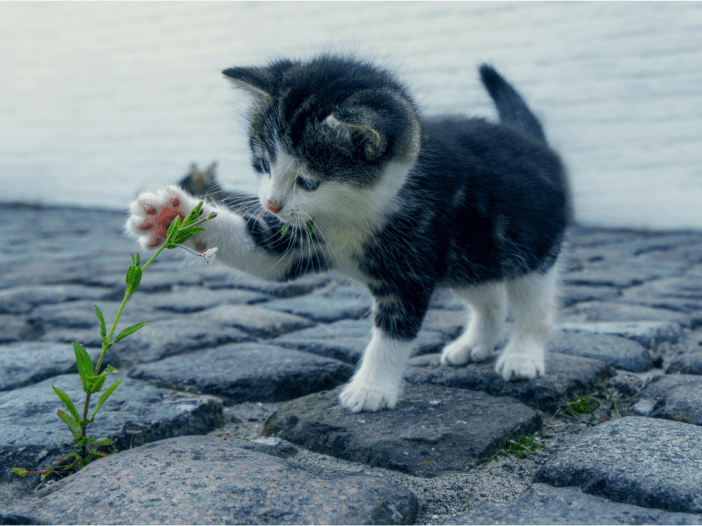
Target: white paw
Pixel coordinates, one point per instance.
(358, 396)
(514, 366)
(152, 214)
(459, 353)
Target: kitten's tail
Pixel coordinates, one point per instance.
(511, 106)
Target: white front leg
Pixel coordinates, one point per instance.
(378, 381)
(153, 213)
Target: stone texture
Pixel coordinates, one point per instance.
(22, 299)
(600, 311)
(642, 461)
(321, 309)
(432, 430)
(542, 504)
(566, 377)
(210, 480)
(675, 397)
(163, 338)
(687, 363)
(346, 340)
(620, 352)
(26, 363)
(32, 435)
(193, 299)
(247, 372)
(647, 333)
(256, 321)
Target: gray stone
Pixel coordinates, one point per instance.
(343, 340)
(687, 363)
(611, 277)
(22, 299)
(432, 430)
(596, 311)
(647, 333)
(642, 461)
(256, 321)
(210, 480)
(195, 299)
(31, 434)
(14, 328)
(247, 372)
(346, 340)
(620, 352)
(164, 338)
(676, 396)
(321, 309)
(81, 314)
(288, 289)
(566, 378)
(542, 504)
(572, 294)
(26, 363)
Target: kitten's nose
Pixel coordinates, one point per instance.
(273, 207)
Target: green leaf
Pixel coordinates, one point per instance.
(193, 215)
(129, 330)
(174, 227)
(185, 234)
(95, 383)
(85, 365)
(21, 472)
(310, 229)
(285, 227)
(109, 369)
(103, 442)
(103, 399)
(101, 318)
(73, 426)
(43, 476)
(133, 278)
(67, 402)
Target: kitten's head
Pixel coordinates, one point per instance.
(328, 136)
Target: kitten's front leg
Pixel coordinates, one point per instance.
(377, 383)
(229, 232)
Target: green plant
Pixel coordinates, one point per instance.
(309, 225)
(85, 448)
(582, 405)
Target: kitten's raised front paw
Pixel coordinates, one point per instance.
(152, 214)
(458, 353)
(515, 366)
(357, 397)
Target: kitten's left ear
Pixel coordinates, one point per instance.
(256, 81)
(262, 82)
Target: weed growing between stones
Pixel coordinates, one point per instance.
(582, 405)
(521, 448)
(86, 448)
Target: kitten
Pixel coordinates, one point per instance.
(401, 203)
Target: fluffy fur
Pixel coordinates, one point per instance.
(403, 204)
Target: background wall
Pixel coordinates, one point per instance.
(100, 100)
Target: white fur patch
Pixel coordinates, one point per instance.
(377, 383)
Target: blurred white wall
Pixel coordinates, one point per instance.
(100, 100)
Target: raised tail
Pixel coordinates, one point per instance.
(511, 106)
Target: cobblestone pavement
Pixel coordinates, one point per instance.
(228, 412)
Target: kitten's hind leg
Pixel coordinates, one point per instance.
(488, 303)
(533, 299)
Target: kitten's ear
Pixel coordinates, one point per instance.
(257, 81)
(359, 126)
(211, 168)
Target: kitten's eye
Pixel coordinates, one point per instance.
(307, 184)
(265, 166)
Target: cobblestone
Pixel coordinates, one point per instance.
(233, 357)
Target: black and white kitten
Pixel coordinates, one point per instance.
(400, 203)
